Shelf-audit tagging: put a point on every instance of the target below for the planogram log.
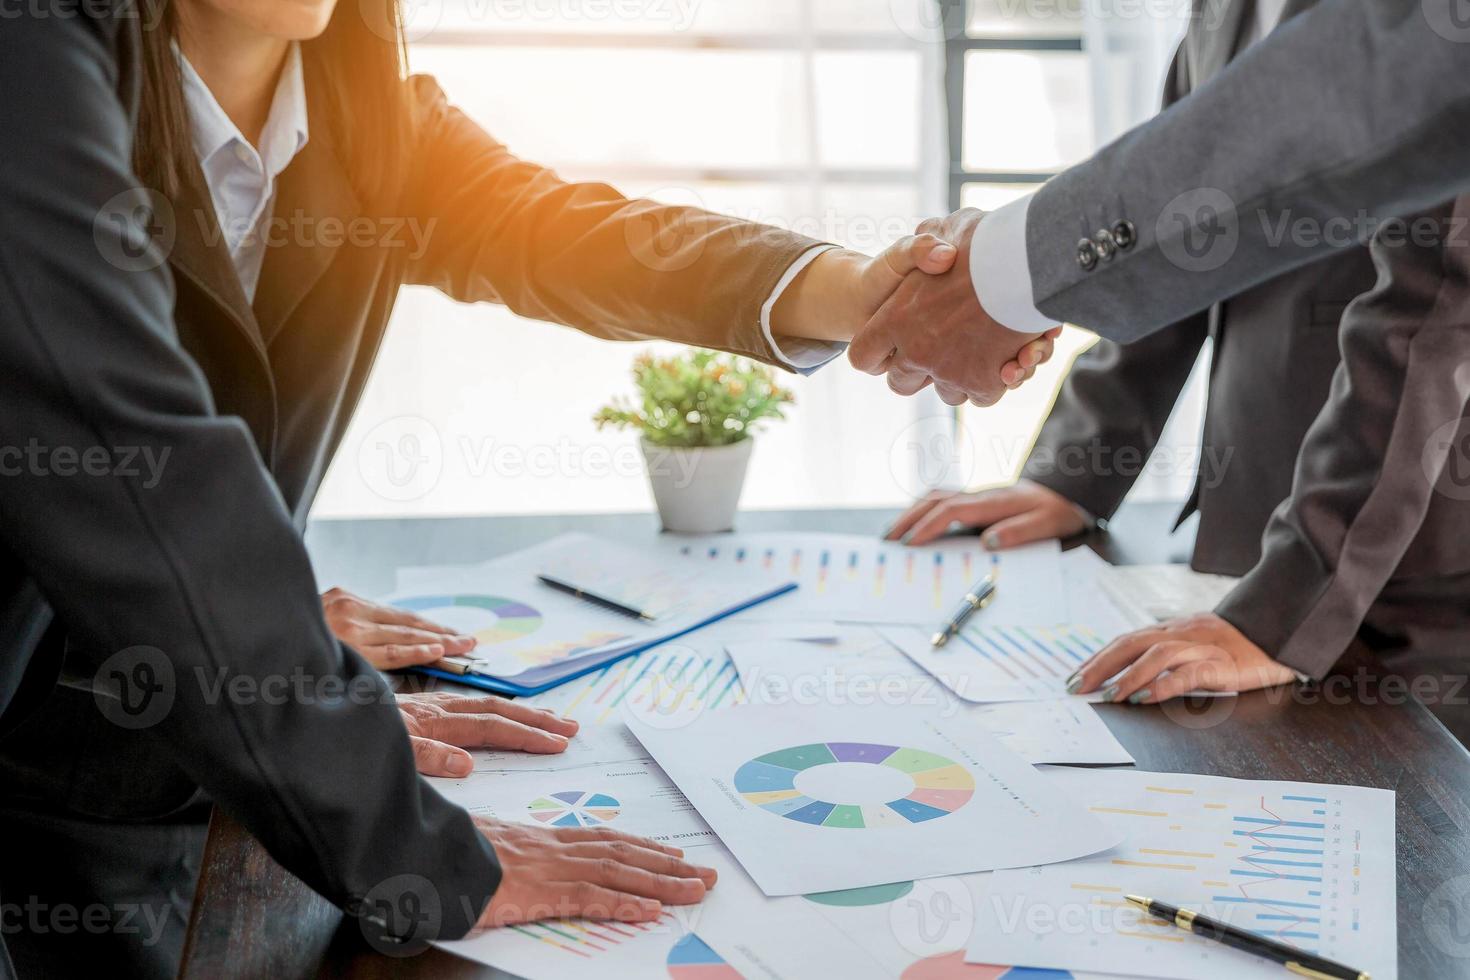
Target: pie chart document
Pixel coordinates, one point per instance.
(814, 799)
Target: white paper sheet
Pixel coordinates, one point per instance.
(522, 624)
(861, 667)
(850, 578)
(736, 929)
(1305, 863)
(817, 798)
(1167, 591)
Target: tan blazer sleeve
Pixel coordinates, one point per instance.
(1376, 456)
(581, 254)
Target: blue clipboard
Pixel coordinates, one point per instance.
(539, 679)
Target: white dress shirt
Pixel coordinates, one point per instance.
(999, 263)
(242, 186)
(241, 177)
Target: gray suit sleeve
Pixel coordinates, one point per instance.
(1116, 399)
(1371, 462)
(186, 581)
(1353, 110)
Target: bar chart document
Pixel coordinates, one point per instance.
(855, 579)
(1307, 864)
(818, 798)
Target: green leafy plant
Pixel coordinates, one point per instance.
(697, 399)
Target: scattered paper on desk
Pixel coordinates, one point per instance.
(862, 668)
(819, 798)
(1167, 591)
(1304, 863)
(855, 579)
(735, 932)
(523, 625)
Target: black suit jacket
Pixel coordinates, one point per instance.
(287, 372)
(201, 570)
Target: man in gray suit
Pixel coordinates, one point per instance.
(1159, 224)
(1372, 541)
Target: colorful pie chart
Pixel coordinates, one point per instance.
(574, 808)
(692, 959)
(939, 786)
(488, 618)
(952, 966)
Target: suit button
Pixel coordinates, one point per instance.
(1086, 254)
(1125, 234)
(1106, 247)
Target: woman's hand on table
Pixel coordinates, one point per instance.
(1012, 516)
(593, 873)
(1195, 653)
(441, 726)
(390, 638)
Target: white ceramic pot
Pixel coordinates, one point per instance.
(697, 490)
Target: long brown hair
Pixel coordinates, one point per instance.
(357, 67)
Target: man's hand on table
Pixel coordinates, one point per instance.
(593, 873)
(1195, 653)
(934, 329)
(387, 637)
(442, 725)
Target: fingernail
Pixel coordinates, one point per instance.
(942, 250)
(1074, 684)
(1110, 692)
(906, 538)
(991, 540)
(461, 765)
(1138, 697)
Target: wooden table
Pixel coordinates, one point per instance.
(254, 919)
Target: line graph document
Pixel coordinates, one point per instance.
(1303, 863)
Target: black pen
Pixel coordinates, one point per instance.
(975, 600)
(595, 599)
(1298, 961)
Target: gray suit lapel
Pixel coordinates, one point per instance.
(1215, 36)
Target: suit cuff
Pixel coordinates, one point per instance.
(798, 353)
(1001, 269)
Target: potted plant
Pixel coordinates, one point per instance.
(696, 414)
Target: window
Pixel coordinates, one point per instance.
(828, 116)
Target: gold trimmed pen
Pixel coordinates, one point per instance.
(975, 600)
(1298, 961)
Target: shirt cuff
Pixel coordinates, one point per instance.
(802, 355)
(1001, 269)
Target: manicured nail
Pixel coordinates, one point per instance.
(1074, 684)
(991, 541)
(461, 765)
(1110, 692)
(942, 249)
(1138, 697)
(906, 538)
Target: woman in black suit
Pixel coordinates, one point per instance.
(303, 180)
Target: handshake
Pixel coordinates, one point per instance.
(912, 313)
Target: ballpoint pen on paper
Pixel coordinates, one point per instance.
(595, 599)
(975, 600)
(1295, 960)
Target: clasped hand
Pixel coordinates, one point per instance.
(932, 328)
